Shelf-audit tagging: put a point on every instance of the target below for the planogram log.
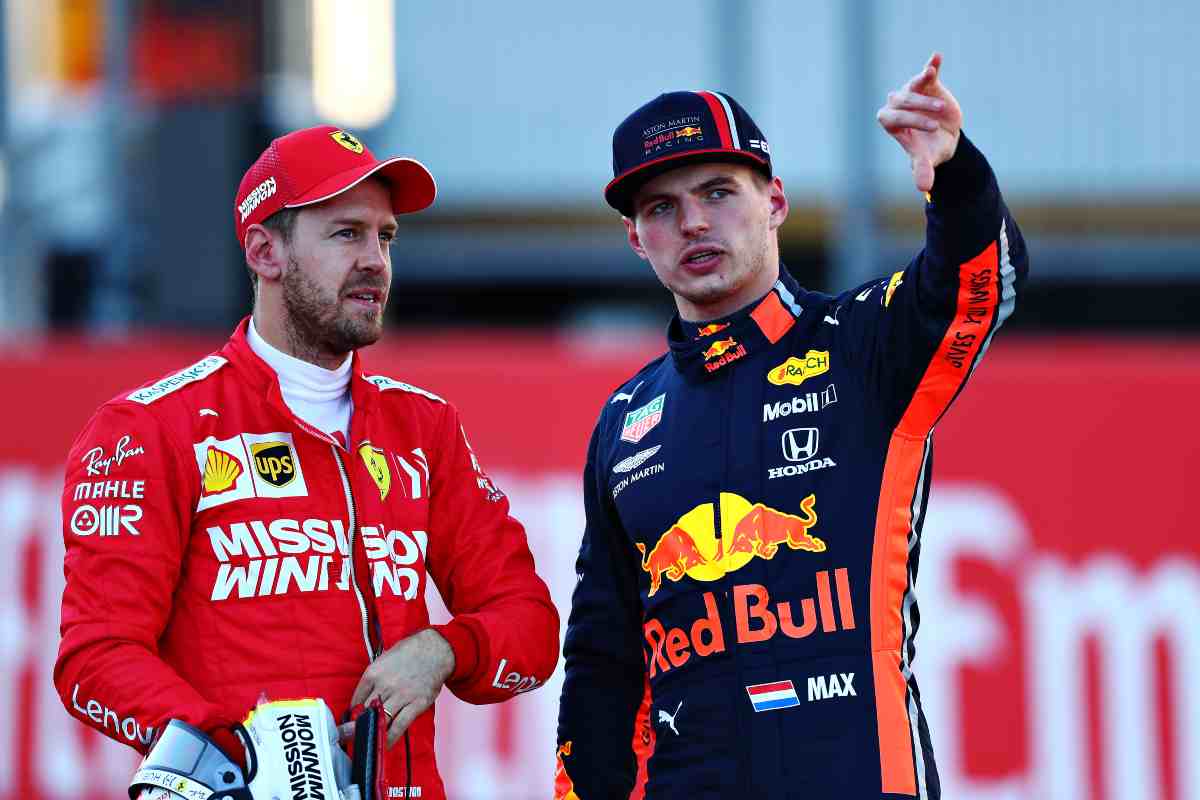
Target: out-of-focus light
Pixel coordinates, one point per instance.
(354, 61)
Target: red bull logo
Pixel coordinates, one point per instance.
(691, 546)
(727, 357)
(755, 620)
(689, 131)
(709, 330)
(718, 348)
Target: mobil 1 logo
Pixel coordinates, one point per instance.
(800, 404)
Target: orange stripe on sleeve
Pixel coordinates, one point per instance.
(978, 298)
(977, 301)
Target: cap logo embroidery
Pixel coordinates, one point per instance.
(663, 135)
(347, 141)
(256, 196)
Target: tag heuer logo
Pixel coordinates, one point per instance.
(642, 420)
(274, 463)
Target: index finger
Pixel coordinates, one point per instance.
(928, 75)
(362, 692)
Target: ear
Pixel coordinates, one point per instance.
(266, 253)
(779, 203)
(635, 241)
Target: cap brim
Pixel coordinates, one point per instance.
(620, 190)
(413, 187)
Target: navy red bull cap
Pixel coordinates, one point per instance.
(679, 128)
(315, 164)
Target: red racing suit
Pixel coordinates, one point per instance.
(218, 548)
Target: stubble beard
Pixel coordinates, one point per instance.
(713, 289)
(316, 324)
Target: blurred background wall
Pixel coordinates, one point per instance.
(1067, 568)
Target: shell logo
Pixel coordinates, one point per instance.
(221, 471)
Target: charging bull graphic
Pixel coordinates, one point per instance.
(674, 555)
(762, 531)
(692, 547)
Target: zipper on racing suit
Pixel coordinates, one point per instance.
(372, 648)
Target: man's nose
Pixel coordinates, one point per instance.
(693, 221)
(375, 254)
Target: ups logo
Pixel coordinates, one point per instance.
(274, 462)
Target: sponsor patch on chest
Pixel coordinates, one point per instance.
(248, 465)
(642, 420)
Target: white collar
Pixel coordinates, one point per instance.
(300, 378)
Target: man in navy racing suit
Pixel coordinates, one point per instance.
(754, 497)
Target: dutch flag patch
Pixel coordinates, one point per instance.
(772, 696)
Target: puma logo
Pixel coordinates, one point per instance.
(626, 396)
(670, 718)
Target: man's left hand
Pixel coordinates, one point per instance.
(407, 679)
(925, 119)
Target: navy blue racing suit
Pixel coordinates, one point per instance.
(754, 502)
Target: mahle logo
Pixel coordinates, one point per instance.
(274, 463)
(796, 371)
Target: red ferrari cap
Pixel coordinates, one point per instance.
(312, 165)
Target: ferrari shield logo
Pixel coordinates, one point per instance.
(642, 420)
(347, 141)
(377, 466)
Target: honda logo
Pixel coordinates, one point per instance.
(799, 444)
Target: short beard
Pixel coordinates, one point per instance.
(315, 325)
(711, 295)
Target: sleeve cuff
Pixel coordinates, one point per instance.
(465, 643)
(966, 175)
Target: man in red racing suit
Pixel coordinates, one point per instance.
(219, 548)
